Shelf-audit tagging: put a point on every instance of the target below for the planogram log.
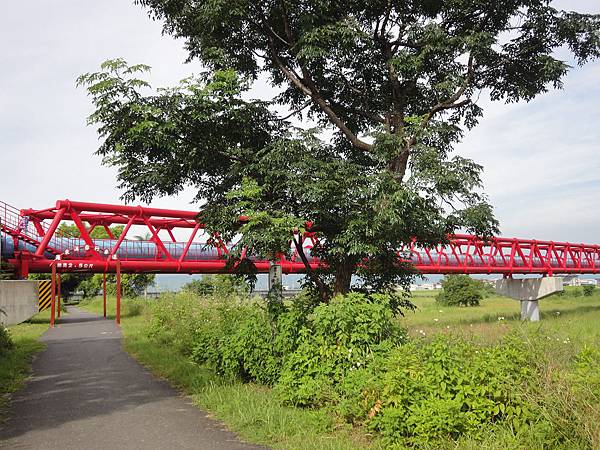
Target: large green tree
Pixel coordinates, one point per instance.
(397, 82)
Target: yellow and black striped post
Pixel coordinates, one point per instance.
(44, 294)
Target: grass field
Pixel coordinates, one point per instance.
(567, 316)
(568, 324)
(15, 366)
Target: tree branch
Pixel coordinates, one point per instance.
(286, 21)
(449, 103)
(310, 90)
(323, 290)
(385, 20)
(296, 111)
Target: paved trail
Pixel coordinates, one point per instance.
(87, 393)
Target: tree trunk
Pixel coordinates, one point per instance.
(343, 277)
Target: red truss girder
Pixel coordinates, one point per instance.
(462, 254)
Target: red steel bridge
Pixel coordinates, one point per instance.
(30, 243)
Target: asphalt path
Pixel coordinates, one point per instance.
(87, 393)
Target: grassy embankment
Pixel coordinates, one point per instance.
(569, 322)
(15, 366)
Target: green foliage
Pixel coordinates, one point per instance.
(65, 230)
(587, 371)
(359, 210)
(255, 341)
(588, 290)
(397, 82)
(460, 290)
(383, 62)
(132, 284)
(6, 342)
(6, 271)
(17, 349)
(527, 390)
(248, 409)
(406, 75)
(426, 391)
(222, 285)
(238, 339)
(339, 337)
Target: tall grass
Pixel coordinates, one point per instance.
(15, 365)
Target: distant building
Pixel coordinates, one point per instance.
(570, 280)
(574, 280)
(425, 287)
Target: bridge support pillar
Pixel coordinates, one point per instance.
(58, 295)
(530, 310)
(53, 296)
(104, 294)
(118, 310)
(275, 276)
(528, 291)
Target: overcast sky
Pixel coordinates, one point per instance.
(541, 159)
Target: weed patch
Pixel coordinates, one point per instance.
(20, 346)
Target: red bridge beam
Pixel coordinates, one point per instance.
(462, 254)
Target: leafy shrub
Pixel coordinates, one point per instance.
(238, 343)
(423, 392)
(174, 319)
(339, 337)
(588, 290)
(587, 370)
(218, 285)
(238, 339)
(576, 292)
(6, 342)
(460, 290)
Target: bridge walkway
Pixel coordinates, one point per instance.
(87, 393)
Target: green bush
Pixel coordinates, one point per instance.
(6, 342)
(460, 290)
(587, 371)
(423, 392)
(588, 290)
(238, 343)
(238, 339)
(339, 337)
(174, 320)
(132, 307)
(218, 285)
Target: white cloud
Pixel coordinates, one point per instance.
(542, 159)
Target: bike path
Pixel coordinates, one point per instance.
(87, 393)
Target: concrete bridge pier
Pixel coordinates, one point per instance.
(18, 301)
(530, 310)
(528, 291)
